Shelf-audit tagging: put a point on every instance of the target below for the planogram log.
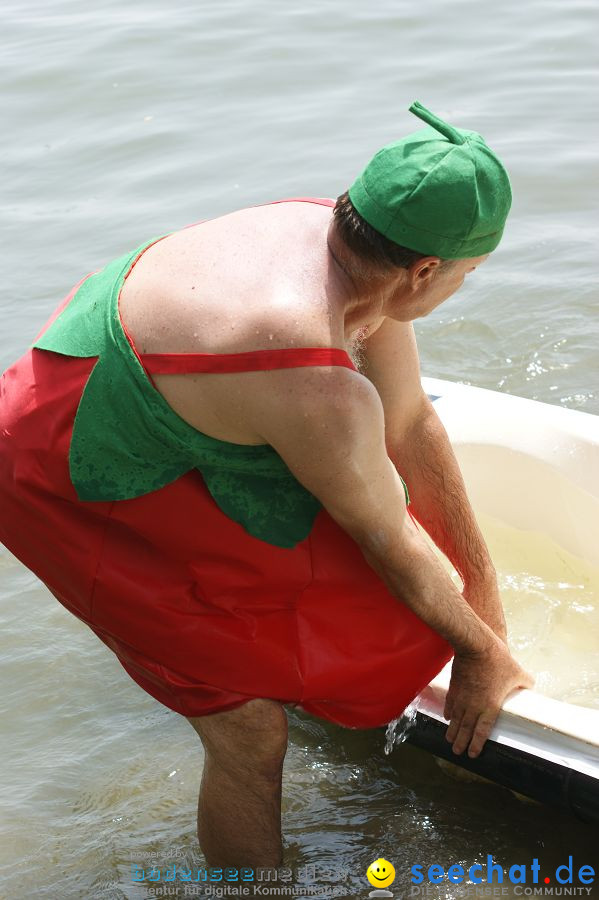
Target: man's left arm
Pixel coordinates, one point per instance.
(438, 500)
(419, 447)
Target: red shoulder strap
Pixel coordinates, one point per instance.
(248, 361)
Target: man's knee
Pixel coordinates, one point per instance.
(251, 737)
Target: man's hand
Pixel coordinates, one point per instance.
(480, 684)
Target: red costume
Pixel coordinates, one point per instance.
(213, 575)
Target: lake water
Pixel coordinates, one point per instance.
(126, 120)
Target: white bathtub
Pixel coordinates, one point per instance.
(509, 448)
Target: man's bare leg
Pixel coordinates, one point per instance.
(239, 808)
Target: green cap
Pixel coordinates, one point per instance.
(440, 191)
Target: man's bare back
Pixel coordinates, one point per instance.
(256, 279)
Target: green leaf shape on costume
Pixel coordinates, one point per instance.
(127, 441)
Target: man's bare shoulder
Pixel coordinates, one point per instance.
(331, 435)
(253, 279)
(304, 397)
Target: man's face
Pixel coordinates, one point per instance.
(429, 283)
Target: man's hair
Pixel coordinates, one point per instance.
(370, 246)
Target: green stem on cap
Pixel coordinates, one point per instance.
(427, 116)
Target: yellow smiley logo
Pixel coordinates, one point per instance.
(380, 873)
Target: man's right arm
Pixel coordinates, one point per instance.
(334, 444)
(330, 432)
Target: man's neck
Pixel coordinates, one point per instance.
(365, 294)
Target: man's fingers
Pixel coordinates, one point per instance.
(465, 731)
(471, 730)
(454, 725)
(483, 729)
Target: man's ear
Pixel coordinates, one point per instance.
(424, 270)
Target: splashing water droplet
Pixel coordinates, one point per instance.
(398, 729)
